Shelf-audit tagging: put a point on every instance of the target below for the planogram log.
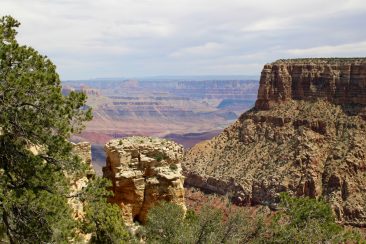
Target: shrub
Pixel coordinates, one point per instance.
(167, 224)
(306, 220)
(160, 156)
(300, 220)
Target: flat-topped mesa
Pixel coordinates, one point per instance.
(144, 171)
(339, 80)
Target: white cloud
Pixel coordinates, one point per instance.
(350, 49)
(209, 48)
(142, 37)
(268, 25)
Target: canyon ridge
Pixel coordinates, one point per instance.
(305, 135)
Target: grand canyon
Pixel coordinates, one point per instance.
(185, 109)
(182, 122)
(303, 135)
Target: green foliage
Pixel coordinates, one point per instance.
(240, 227)
(235, 226)
(208, 225)
(36, 121)
(173, 166)
(191, 216)
(306, 220)
(303, 209)
(33, 217)
(103, 219)
(167, 224)
(301, 220)
(160, 156)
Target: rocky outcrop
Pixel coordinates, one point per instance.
(144, 171)
(308, 145)
(79, 182)
(340, 81)
(209, 184)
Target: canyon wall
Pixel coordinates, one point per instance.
(144, 171)
(338, 80)
(305, 136)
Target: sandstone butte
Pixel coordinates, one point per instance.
(305, 135)
(144, 171)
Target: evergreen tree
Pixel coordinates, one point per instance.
(165, 224)
(102, 219)
(306, 220)
(36, 121)
(301, 220)
(168, 224)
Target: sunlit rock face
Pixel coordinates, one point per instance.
(144, 171)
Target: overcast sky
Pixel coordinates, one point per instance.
(121, 38)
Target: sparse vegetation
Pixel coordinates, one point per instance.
(173, 166)
(300, 220)
(167, 224)
(160, 157)
(307, 220)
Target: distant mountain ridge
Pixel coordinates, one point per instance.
(161, 108)
(172, 78)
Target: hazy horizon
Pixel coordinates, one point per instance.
(171, 78)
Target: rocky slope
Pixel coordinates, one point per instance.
(144, 170)
(304, 136)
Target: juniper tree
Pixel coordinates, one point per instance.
(36, 120)
(102, 219)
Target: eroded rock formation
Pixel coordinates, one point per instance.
(338, 80)
(78, 182)
(144, 170)
(306, 140)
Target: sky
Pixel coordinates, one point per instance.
(135, 38)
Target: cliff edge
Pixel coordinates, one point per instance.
(337, 80)
(305, 135)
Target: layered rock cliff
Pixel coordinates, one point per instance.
(338, 80)
(144, 171)
(304, 136)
